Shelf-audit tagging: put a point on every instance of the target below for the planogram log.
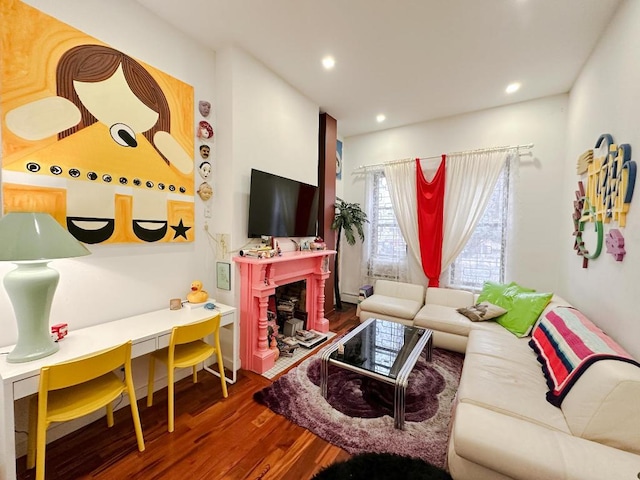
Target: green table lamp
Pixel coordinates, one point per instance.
(31, 241)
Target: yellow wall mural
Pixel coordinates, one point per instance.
(98, 139)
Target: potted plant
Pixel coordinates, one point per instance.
(350, 219)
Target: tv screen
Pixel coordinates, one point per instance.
(281, 207)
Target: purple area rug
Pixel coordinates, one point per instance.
(358, 413)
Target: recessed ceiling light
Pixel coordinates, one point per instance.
(380, 118)
(513, 87)
(328, 62)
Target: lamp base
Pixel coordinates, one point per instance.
(31, 287)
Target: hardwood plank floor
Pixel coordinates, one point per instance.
(215, 438)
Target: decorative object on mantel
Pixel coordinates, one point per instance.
(31, 241)
(197, 294)
(610, 182)
(348, 217)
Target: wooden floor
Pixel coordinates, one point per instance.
(214, 438)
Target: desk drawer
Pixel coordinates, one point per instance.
(163, 340)
(25, 387)
(142, 348)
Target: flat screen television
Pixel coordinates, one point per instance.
(281, 207)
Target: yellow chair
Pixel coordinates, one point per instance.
(74, 389)
(187, 349)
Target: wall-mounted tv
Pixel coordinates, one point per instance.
(281, 207)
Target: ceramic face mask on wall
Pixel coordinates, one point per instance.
(204, 107)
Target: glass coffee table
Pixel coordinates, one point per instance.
(379, 349)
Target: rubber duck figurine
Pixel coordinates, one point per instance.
(197, 295)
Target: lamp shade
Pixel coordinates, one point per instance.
(36, 236)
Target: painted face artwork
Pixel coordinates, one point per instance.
(204, 107)
(205, 150)
(205, 130)
(205, 170)
(205, 191)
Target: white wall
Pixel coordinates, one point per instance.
(606, 99)
(272, 127)
(537, 237)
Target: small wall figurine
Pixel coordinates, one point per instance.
(204, 107)
(205, 130)
(205, 170)
(205, 150)
(205, 191)
(197, 294)
(615, 244)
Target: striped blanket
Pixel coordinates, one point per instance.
(566, 343)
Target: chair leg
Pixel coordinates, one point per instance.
(110, 414)
(152, 365)
(194, 374)
(41, 444)
(32, 435)
(131, 391)
(171, 399)
(223, 379)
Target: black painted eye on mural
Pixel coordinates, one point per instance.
(172, 188)
(92, 175)
(149, 184)
(123, 135)
(137, 182)
(123, 180)
(161, 186)
(183, 190)
(106, 178)
(33, 167)
(55, 169)
(74, 172)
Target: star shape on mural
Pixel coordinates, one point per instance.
(181, 230)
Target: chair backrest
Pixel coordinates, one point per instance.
(194, 331)
(74, 372)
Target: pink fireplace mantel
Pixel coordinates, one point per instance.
(258, 281)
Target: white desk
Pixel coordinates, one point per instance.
(148, 332)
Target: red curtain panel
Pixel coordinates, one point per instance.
(430, 220)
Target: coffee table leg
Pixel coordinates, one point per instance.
(399, 405)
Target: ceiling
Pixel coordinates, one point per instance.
(412, 60)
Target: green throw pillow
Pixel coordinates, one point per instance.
(500, 293)
(524, 310)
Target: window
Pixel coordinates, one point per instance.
(483, 258)
(387, 251)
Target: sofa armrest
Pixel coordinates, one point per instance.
(519, 449)
(449, 297)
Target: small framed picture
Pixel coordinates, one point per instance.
(223, 277)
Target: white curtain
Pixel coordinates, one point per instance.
(393, 263)
(401, 181)
(470, 180)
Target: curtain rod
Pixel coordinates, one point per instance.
(527, 146)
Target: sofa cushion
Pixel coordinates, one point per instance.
(408, 291)
(481, 311)
(442, 319)
(391, 306)
(498, 293)
(449, 297)
(501, 374)
(523, 310)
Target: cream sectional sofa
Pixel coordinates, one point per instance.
(502, 426)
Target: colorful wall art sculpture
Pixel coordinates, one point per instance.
(610, 181)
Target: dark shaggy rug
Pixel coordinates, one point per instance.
(358, 413)
(381, 466)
